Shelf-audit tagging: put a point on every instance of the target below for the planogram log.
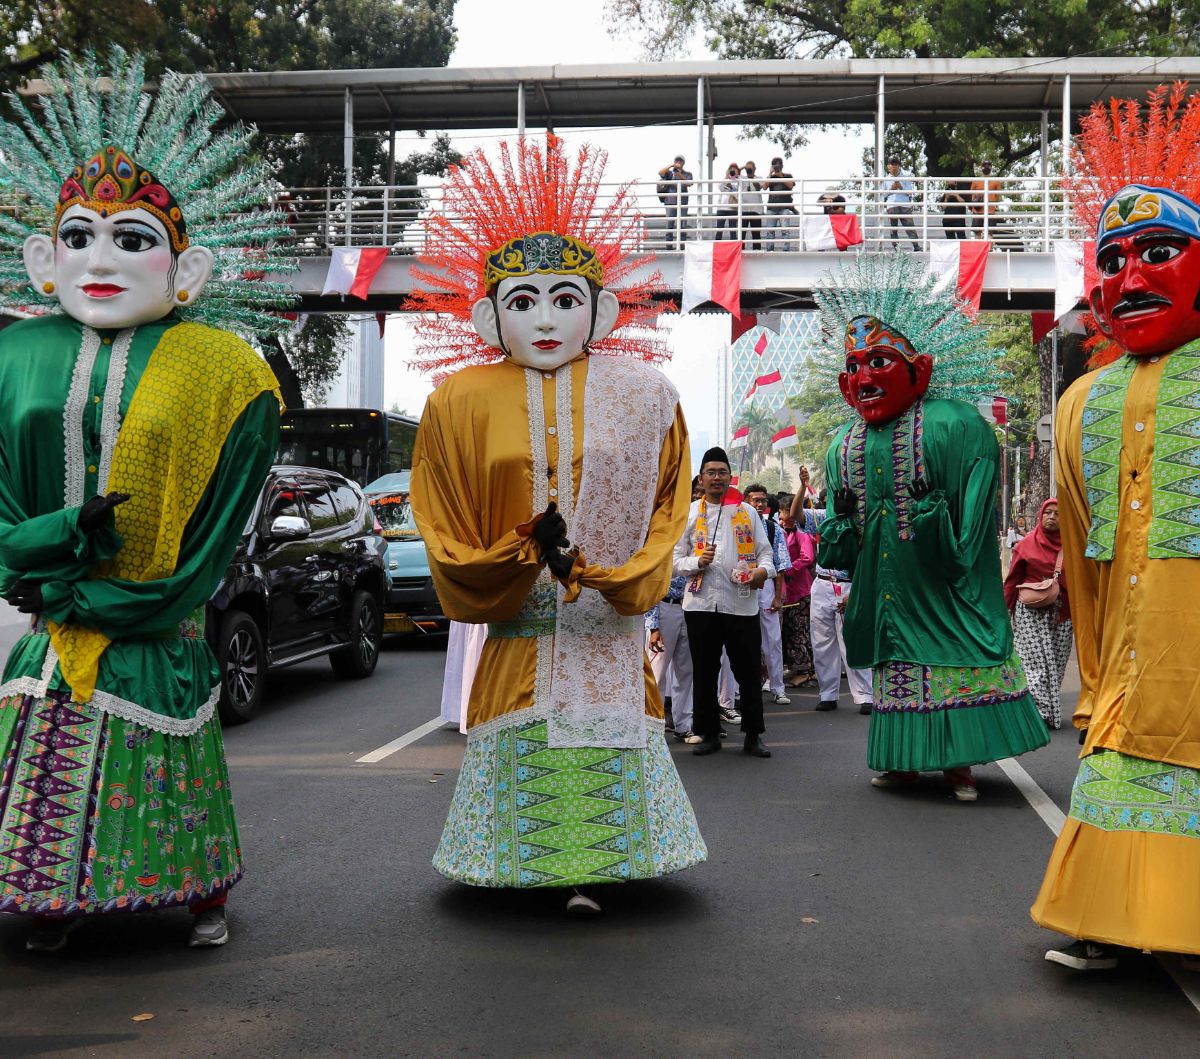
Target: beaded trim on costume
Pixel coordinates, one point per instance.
(75, 484)
(110, 417)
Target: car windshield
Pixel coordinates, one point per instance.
(396, 482)
(395, 516)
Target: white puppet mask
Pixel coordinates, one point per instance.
(115, 269)
(545, 320)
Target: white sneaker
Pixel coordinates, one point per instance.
(209, 929)
(692, 739)
(781, 699)
(766, 685)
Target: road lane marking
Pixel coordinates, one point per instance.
(388, 749)
(1054, 818)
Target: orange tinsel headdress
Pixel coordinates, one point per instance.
(486, 206)
(1119, 146)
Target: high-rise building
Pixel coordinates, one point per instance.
(360, 382)
(787, 352)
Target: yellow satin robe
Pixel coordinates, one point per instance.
(472, 495)
(1137, 635)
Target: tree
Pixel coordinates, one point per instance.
(763, 425)
(235, 35)
(789, 29)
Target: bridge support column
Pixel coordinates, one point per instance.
(521, 110)
(348, 139)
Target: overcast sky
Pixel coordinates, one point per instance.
(528, 32)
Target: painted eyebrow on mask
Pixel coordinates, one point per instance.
(522, 288)
(566, 283)
(1161, 235)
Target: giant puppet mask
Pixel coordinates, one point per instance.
(545, 303)
(884, 375)
(1148, 258)
(119, 255)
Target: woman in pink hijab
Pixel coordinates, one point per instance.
(1041, 633)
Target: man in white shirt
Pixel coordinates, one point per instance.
(898, 199)
(721, 543)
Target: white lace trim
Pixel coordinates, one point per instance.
(537, 440)
(536, 713)
(110, 417)
(75, 468)
(49, 664)
(598, 693)
(126, 710)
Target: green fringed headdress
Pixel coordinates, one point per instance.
(168, 140)
(896, 289)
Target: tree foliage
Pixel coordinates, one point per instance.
(817, 29)
(236, 35)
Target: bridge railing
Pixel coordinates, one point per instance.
(1015, 213)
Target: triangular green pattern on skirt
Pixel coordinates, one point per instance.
(1103, 416)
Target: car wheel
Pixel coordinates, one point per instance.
(243, 667)
(359, 657)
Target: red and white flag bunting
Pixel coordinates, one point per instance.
(831, 232)
(785, 439)
(740, 439)
(961, 263)
(1074, 274)
(994, 410)
(760, 347)
(352, 269)
(712, 272)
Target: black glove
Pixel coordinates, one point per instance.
(1082, 736)
(560, 563)
(26, 596)
(919, 488)
(550, 531)
(94, 513)
(844, 502)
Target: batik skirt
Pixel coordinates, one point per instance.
(526, 815)
(928, 718)
(98, 814)
(797, 640)
(1126, 867)
(1044, 644)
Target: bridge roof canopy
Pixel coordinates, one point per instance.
(838, 91)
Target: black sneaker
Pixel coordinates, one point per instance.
(1085, 956)
(730, 715)
(825, 705)
(865, 708)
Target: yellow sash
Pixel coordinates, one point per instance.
(743, 535)
(197, 383)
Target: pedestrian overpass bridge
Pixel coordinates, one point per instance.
(780, 267)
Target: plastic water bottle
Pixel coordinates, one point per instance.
(741, 574)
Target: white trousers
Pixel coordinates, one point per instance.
(772, 636)
(672, 668)
(829, 647)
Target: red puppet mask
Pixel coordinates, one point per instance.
(1148, 257)
(884, 375)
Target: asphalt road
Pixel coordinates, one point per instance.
(832, 919)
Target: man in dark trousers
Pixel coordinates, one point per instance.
(726, 557)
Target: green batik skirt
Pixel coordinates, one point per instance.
(98, 814)
(928, 718)
(525, 815)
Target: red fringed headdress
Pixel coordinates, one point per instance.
(1119, 145)
(529, 190)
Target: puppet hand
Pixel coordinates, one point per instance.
(844, 502)
(561, 562)
(26, 596)
(919, 488)
(550, 531)
(94, 513)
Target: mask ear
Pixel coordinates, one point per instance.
(38, 254)
(1096, 301)
(844, 386)
(923, 367)
(607, 310)
(483, 317)
(193, 270)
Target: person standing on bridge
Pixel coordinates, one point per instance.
(913, 481)
(1125, 870)
(540, 437)
(136, 440)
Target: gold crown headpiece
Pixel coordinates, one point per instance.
(545, 253)
(111, 181)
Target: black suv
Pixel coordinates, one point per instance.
(306, 580)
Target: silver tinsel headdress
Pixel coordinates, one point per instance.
(896, 289)
(222, 199)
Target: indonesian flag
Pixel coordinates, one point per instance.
(712, 272)
(994, 410)
(352, 269)
(1074, 274)
(831, 232)
(760, 347)
(785, 439)
(1041, 325)
(731, 495)
(749, 398)
(769, 385)
(961, 263)
(740, 439)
